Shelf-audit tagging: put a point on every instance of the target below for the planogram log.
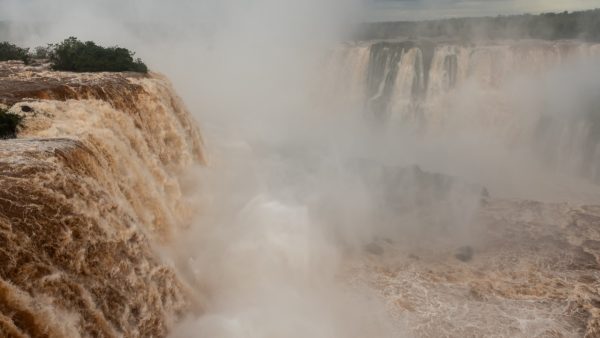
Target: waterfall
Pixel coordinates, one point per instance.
(447, 88)
(88, 185)
(94, 185)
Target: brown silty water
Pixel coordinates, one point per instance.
(90, 181)
(533, 273)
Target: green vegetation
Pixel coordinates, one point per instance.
(584, 25)
(76, 56)
(41, 52)
(10, 52)
(8, 124)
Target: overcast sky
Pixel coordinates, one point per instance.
(433, 9)
(193, 10)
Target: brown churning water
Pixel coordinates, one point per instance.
(90, 181)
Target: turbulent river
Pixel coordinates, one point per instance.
(89, 183)
(451, 192)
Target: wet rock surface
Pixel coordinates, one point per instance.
(464, 254)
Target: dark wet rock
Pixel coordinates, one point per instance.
(374, 248)
(485, 193)
(485, 197)
(464, 254)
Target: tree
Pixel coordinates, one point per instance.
(42, 52)
(10, 52)
(77, 56)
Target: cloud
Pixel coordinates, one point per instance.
(207, 10)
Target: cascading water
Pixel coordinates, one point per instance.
(444, 88)
(503, 108)
(89, 185)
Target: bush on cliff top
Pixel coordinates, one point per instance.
(9, 52)
(77, 56)
(8, 124)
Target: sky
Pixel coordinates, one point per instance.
(375, 10)
(390, 10)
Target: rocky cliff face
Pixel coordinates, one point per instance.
(90, 181)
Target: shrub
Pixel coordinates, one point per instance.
(9, 52)
(41, 52)
(77, 56)
(8, 124)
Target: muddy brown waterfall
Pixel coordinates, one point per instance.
(91, 181)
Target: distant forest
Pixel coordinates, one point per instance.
(584, 25)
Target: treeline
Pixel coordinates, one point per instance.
(76, 56)
(584, 25)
